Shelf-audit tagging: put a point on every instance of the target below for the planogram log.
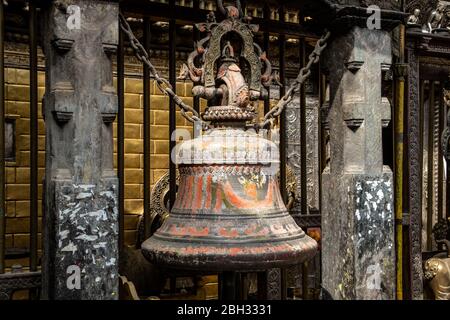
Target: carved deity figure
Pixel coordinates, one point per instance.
(437, 272)
(436, 18)
(447, 19)
(414, 18)
(437, 269)
(233, 87)
(447, 97)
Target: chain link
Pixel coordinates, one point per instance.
(304, 74)
(163, 84)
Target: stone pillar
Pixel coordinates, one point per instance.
(81, 186)
(357, 193)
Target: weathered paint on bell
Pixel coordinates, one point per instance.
(224, 236)
(229, 213)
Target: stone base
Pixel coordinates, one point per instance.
(358, 251)
(80, 237)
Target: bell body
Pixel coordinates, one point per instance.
(229, 213)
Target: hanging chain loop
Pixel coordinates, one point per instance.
(304, 74)
(162, 83)
(165, 86)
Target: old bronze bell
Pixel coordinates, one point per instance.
(229, 214)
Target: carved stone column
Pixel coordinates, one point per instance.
(293, 112)
(415, 176)
(312, 146)
(357, 194)
(81, 186)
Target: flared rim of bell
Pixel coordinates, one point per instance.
(244, 261)
(240, 255)
(244, 234)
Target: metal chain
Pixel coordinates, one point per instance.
(163, 84)
(304, 74)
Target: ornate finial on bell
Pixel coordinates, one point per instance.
(229, 213)
(231, 12)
